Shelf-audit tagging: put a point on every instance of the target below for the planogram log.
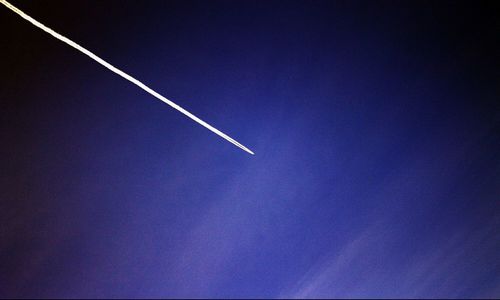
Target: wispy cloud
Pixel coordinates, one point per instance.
(361, 268)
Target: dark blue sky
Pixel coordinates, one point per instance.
(375, 126)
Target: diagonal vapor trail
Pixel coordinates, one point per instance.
(124, 75)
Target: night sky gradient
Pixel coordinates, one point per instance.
(376, 128)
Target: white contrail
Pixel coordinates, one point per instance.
(122, 74)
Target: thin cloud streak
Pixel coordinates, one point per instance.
(445, 270)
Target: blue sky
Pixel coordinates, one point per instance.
(375, 128)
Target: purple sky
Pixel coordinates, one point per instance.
(375, 127)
